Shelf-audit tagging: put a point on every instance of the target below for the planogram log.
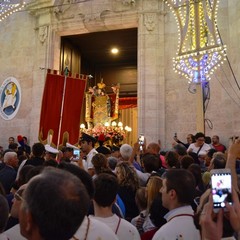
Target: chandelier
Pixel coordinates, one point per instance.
(200, 47)
(7, 7)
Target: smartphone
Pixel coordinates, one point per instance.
(141, 141)
(76, 153)
(221, 182)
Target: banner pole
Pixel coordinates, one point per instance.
(66, 71)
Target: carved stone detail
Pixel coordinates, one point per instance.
(150, 21)
(42, 33)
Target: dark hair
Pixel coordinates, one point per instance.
(195, 169)
(172, 159)
(50, 163)
(180, 149)
(186, 161)
(157, 211)
(22, 179)
(58, 203)
(65, 159)
(208, 140)
(219, 161)
(192, 137)
(68, 149)
(198, 135)
(211, 152)
(106, 188)
(183, 182)
(194, 156)
(81, 174)
(12, 146)
(99, 162)
(151, 162)
(38, 149)
(34, 172)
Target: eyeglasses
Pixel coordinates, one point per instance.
(18, 194)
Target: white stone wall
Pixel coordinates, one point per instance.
(17, 57)
(31, 39)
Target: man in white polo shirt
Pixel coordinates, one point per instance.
(106, 187)
(87, 146)
(177, 195)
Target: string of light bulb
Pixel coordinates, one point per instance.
(8, 7)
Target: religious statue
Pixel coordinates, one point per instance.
(101, 108)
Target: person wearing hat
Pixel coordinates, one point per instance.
(69, 152)
(51, 153)
(87, 146)
(103, 149)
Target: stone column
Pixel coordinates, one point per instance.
(151, 82)
(41, 10)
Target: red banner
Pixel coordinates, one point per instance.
(61, 109)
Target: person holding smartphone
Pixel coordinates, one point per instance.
(190, 139)
(212, 223)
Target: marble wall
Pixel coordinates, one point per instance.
(30, 40)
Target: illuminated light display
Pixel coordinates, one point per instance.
(200, 50)
(8, 7)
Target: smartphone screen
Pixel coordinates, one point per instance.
(141, 140)
(76, 152)
(221, 188)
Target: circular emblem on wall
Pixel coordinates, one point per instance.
(10, 98)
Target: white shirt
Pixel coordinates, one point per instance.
(179, 226)
(88, 162)
(125, 230)
(13, 233)
(205, 148)
(143, 177)
(97, 230)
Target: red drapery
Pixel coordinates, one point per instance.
(51, 108)
(128, 102)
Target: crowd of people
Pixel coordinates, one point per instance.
(110, 192)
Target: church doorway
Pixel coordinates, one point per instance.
(90, 54)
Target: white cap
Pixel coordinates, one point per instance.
(50, 149)
(68, 145)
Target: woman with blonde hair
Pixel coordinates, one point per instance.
(128, 185)
(153, 187)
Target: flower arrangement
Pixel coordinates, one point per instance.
(114, 133)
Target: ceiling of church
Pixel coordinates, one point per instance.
(95, 47)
